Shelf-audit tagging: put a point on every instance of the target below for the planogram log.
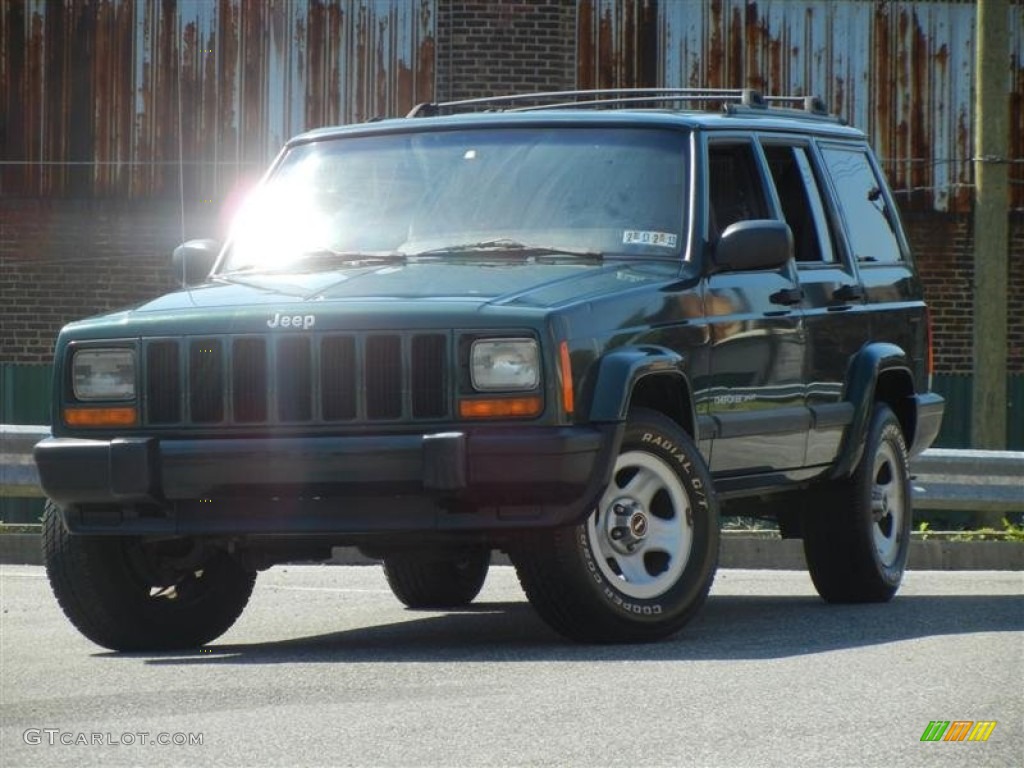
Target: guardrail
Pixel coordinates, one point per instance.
(979, 481)
(944, 479)
(18, 476)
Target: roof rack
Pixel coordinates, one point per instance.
(736, 101)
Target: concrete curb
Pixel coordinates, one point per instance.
(739, 550)
(20, 549)
(929, 555)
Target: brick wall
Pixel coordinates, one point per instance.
(1015, 310)
(62, 260)
(943, 247)
(1015, 294)
(493, 49)
(941, 244)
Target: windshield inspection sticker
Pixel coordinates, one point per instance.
(642, 237)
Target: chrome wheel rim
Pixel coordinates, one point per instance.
(888, 505)
(641, 533)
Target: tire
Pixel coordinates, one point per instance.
(109, 588)
(423, 580)
(641, 565)
(857, 538)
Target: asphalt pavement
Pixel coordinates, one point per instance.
(326, 668)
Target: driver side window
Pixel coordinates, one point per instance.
(735, 189)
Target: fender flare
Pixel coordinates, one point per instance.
(862, 376)
(618, 373)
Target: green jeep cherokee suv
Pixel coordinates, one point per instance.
(578, 331)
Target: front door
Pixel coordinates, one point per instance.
(756, 392)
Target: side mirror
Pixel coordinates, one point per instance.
(754, 244)
(193, 260)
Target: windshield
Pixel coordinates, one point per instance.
(569, 192)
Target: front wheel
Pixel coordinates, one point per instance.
(856, 539)
(641, 565)
(129, 595)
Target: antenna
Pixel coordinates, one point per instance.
(181, 151)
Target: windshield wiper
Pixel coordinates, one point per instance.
(324, 257)
(507, 245)
(313, 260)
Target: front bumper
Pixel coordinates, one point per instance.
(461, 481)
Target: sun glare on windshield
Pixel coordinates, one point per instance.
(281, 220)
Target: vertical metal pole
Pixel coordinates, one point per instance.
(991, 229)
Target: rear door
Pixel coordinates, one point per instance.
(833, 299)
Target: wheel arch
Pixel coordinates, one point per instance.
(650, 377)
(895, 388)
(879, 372)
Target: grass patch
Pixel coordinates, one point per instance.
(1010, 532)
(20, 528)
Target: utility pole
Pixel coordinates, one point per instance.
(991, 235)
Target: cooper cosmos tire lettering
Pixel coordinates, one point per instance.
(640, 566)
(595, 572)
(610, 592)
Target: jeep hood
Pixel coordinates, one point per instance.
(425, 294)
(534, 285)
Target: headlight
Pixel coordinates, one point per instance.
(504, 365)
(103, 374)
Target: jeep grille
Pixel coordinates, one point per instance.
(326, 378)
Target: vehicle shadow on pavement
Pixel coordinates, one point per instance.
(728, 628)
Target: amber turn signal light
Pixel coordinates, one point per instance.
(101, 417)
(503, 407)
(565, 364)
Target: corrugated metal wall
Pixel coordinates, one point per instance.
(90, 91)
(97, 95)
(901, 70)
(616, 43)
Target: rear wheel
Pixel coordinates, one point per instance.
(437, 579)
(856, 539)
(128, 595)
(641, 564)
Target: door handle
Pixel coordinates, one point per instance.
(852, 292)
(787, 297)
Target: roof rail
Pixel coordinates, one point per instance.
(733, 101)
(803, 107)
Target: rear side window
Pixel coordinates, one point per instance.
(801, 202)
(859, 192)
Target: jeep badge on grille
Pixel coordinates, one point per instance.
(305, 322)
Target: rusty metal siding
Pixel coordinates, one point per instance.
(902, 71)
(616, 43)
(100, 97)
